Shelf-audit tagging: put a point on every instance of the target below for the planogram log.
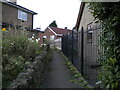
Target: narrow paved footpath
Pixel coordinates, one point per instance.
(58, 75)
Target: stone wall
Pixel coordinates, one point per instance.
(31, 77)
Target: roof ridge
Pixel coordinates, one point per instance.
(59, 28)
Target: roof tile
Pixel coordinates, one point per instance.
(60, 30)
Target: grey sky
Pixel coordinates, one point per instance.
(65, 12)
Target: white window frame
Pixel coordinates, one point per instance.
(22, 15)
(45, 37)
(52, 37)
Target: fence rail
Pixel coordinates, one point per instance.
(83, 50)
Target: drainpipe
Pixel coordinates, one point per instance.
(82, 50)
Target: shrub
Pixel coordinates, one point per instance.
(17, 51)
(109, 17)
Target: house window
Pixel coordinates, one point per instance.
(44, 37)
(89, 32)
(52, 37)
(22, 15)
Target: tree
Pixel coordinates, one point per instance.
(53, 24)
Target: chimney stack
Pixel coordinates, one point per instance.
(65, 27)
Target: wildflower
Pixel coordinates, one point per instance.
(12, 44)
(30, 39)
(3, 29)
(37, 40)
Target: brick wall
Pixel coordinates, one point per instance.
(10, 16)
(47, 33)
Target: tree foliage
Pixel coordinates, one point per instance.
(109, 16)
(53, 24)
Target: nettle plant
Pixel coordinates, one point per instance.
(109, 17)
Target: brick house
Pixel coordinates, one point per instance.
(53, 36)
(16, 15)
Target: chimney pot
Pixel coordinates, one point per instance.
(65, 27)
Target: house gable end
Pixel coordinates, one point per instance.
(52, 30)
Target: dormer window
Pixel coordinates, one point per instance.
(22, 15)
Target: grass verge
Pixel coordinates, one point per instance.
(77, 77)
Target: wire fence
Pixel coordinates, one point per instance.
(83, 50)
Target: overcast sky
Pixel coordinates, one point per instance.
(65, 12)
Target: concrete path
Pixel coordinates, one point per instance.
(58, 75)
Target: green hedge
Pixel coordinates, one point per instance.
(109, 17)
